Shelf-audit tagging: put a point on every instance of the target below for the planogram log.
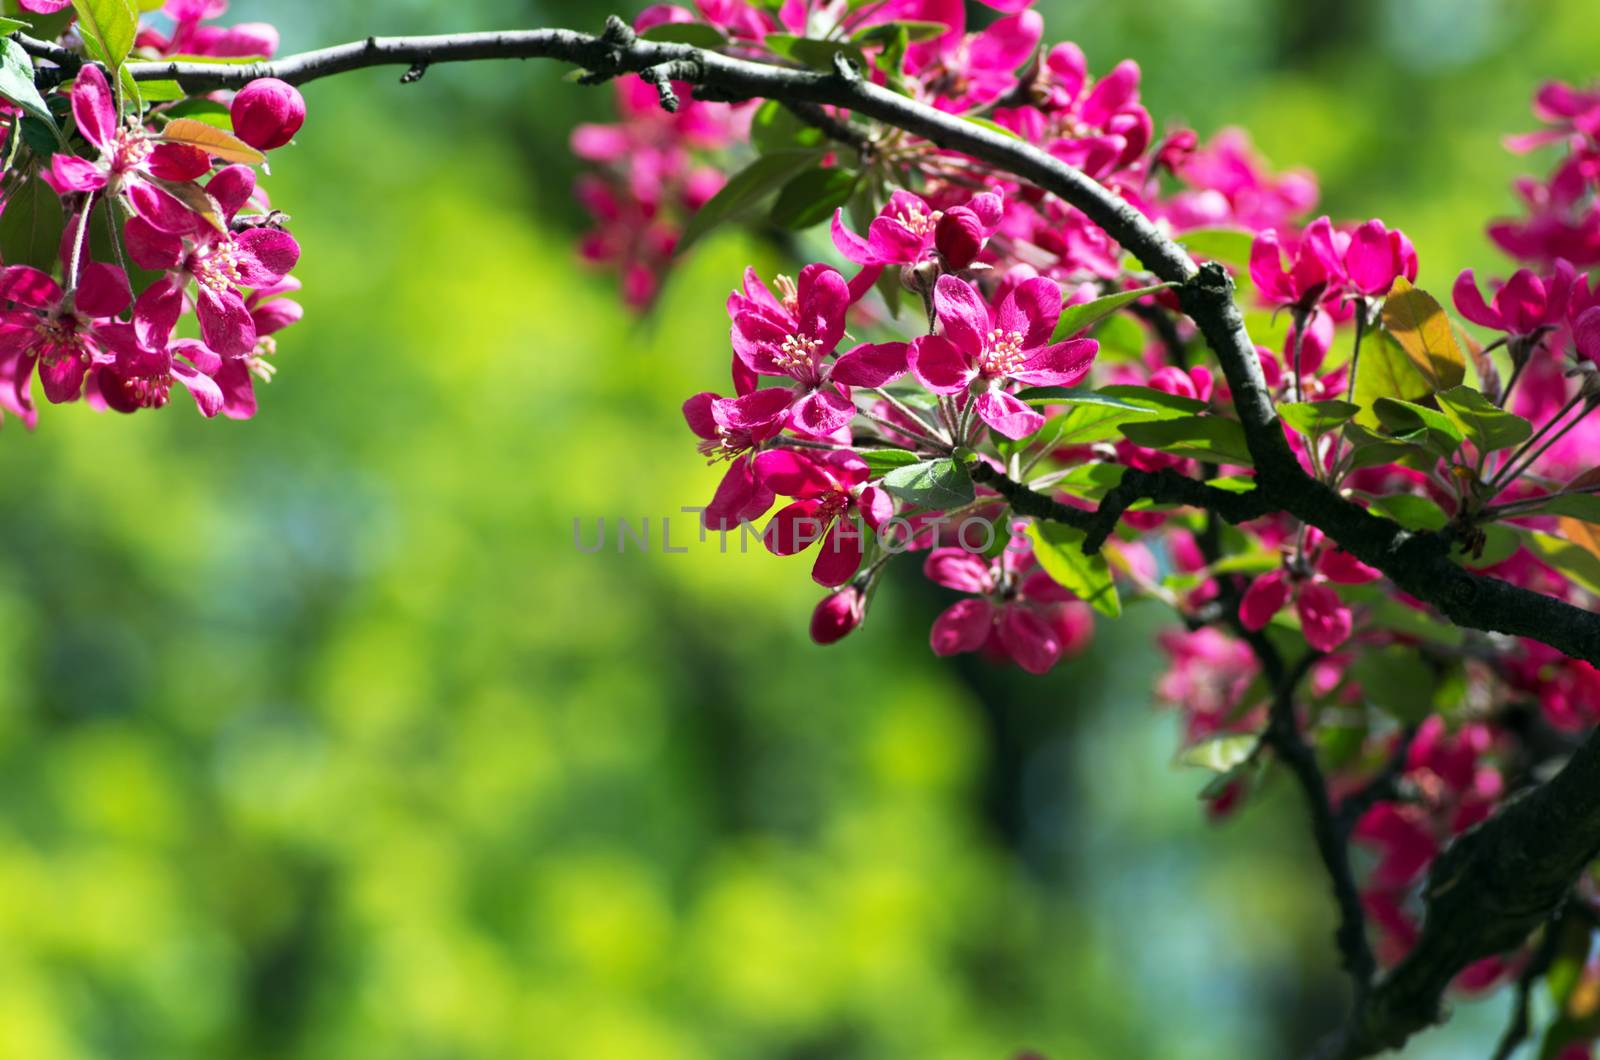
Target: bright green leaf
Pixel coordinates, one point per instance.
(744, 191)
(1488, 426)
(811, 197)
(108, 28)
(880, 461)
(1221, 753)
(937, 485)
(16, 81)
(1059, 550)
(1077, 318)
(1316, 418)
(1396, 680)
(1419, 324)
(1211, 438)
(1231, 246)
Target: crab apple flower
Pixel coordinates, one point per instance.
(1097, 126)
(270, 313)
(189, 37)
(828, 493)
(1325, 619)
(982, 349)
(1314, 263)
(908, 231)
(129, 158)
(1227, 183)
(961, 72)
(1567, 110)
(267, 113)
(1015, 612)
(1375, 257)
(142, 378)
(218, 262)
(1523, 306)
(838, 615)
(63, 336)
(795, 338)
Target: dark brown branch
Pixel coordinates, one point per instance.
(1162, 487)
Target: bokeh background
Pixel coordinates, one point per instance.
(319, 739)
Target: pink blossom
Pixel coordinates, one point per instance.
(983, 349)
(128, 157)
(795, 338)
(908, 231)
(828, 493)
(1521, 307)
(1016, 612)
(267, 113)
(837, 615)
(218, 263)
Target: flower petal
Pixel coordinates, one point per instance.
(1006, 415)
(963, 627)
(1062, 364)
(871, 364)
(939, 365)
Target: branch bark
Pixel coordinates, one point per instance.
(1494, 884)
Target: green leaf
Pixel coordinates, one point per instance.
(994, 127)
(1396, 680)
(1418, 425)
(1488, 426)
(1152, 398)
(880, 461)
(1083, 424)
(1581, 506)
(1371, 449)
(1571, 559)
(31, 226)
(11, 25)
(937, 485)
(1212, 438)
(200, 109)
(695, 34)
(744, 191)
(1419, 324)
(1221, 753)
(775, 128)
(1059, 550)
(1231, 246)
(16, 81)
(1411, 511)
(886, 32)
(812, 197)
(1316, 418)
(108, 28)
(814, 52)
(1076, 318)
(1385, 371)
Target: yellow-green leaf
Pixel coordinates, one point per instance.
(1419, 324)
(108, 28)
(212, 140)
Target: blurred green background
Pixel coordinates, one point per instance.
(318, 739)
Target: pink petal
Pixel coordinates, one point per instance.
(787, 472)
(963, 627)
(876, 506)
(1324, 618)
(150, 248)
(892, 243)
(756, 411)
(821, 412)
(238, 389)
(1339, 566)
(159, 207)
(740, 498)
(823, 296)
(265, 256)
(205, 391)
(225, 323)
(871, 364)
(962, 314)
(1111, 94)
(103, 290)
(232, 188)
(852, 246)
(1265, 598)
(1371, 262)
(1006, 415)
(28, 286)
(697, 414)
(156, 312)
(840, 555)
(1032, 308)
(69, 173)
(1062, 364)
(1028, 639)
(958, 569)
(93, 107)
(794, 529)
(1006, 44)
(939, 365)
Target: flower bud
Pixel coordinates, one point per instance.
(267, 113)
(837, 616)
(959, 237)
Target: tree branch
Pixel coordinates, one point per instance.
(1495, 883)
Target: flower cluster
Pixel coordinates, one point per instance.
(160, 218)
(971, 332)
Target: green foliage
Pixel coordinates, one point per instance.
(1059, 550)
(1085, 315)
(937, 484)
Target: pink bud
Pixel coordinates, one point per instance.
(267, 113)
(959, 237)
(837, 616)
